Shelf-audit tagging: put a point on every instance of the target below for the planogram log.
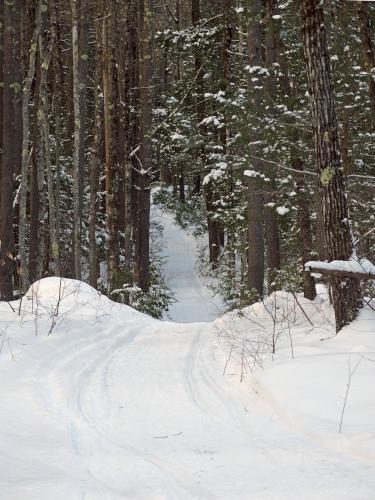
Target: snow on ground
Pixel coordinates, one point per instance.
(305, 382)
(195, 301)
(115, 405)
(99, 401)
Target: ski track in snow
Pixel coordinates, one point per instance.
(139, 409)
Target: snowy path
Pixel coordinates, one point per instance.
(140, 410)
(194, 300)
(114, 405)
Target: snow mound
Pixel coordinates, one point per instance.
(54, 287)
(320, 383)
(54, 301)
(58, 296)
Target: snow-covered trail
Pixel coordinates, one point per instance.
(114, 405)
(140, 410)
(194, 300)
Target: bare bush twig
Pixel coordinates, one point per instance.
(350, 376)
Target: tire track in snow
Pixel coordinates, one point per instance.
(196, 374)
(102, 369)
(66, 406)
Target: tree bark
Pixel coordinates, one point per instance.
(110, 88)
(345, 293)
(305, 235)
(36, 230)
(46, 50)
(271, 232)
(25, 149)
(366, 31)
(255, 199)
(304, 226)
(80, 56)
(142, 243)
(10, 61)
(195, 17)
(95, 157)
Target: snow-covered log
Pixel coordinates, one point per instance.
(352, 268)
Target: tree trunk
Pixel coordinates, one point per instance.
(58, 88)
(305, 235)
(25, 150)
(10, 61)
(79, 130)
(133, 132)
(1, 89)
(142, 243)
(271, 232)
(95, 158)
(35, 225)
(129, 64)
(255, 200)
(45, 50)
(195, 17)
(366, 31)
(345, 293)
(110, 88)
(304, 226)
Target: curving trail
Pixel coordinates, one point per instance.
(114, 405)
(147, 414)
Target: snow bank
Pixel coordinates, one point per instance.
(305, 381)
(59, 305)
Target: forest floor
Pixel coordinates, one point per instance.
(99, 401)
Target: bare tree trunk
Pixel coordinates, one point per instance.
(42, 240)
(78, 143)
(10, 61)
(25, 149)
(94, 188)
(366, 31)
(95, 159)
(133, 130)
(142, 242)
(347, 296)
(130, 129)
(1, 91)
(46, 55)
(195, 17)
(58, 87)
(17, 104)
(304, 226)
(305, 235)
(110, 89)
(83, 31)
(271, 232)
(35, 225)
(255, 201)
